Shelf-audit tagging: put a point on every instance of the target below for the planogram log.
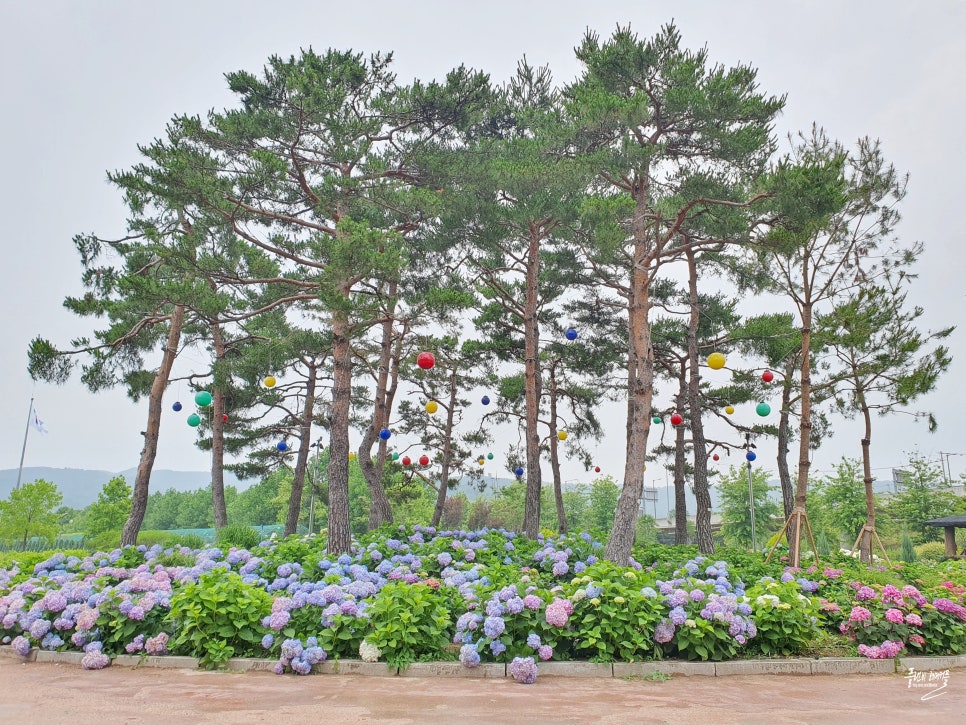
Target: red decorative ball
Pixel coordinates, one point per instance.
(424, 460)
(768, 376)
(596, 469)
(676, 419)
(425, 360)
(407, 460)
(224, 417)
(715, 457)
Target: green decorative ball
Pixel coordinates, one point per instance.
(203, 398)
(763, 409)
(194, 420)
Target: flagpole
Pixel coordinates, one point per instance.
(23, 450)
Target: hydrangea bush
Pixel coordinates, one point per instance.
(408, 594)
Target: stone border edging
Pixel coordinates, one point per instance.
(493, 670)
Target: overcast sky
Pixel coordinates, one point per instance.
(85, 83)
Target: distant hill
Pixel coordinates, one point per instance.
(80, 487)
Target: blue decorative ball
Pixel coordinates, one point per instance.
(571, 333)
(750, 455)
(176, 407)
(385, 433)
(282, 445)
(485, 400)
(519, 472)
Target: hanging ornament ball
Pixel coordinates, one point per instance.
(385, 434)
(203, 398)
(270, 381)
(596, 469)
(282, 446)
(407, 460)
(489, 456)
(656, 420)
(571, 333)
(176, 407)
(194, 420)
(729, 409)
(768, 376)
(224, 417)
(763, 409)
(715, 457)
(395, 456)
(562, 435)
(481, 461)
(519, 472)
(677, 419)
(750, 455)
(425, 360)
(485, 400)
(424, 460)
(716, 361)
(352, 455)
(432, 406)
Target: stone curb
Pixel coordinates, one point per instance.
(485, 670)
(7, 652)
(665, 667)
(490, 670)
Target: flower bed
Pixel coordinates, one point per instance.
(412, 595)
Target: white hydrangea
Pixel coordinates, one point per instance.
(369, 652)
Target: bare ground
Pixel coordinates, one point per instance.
(55, 693)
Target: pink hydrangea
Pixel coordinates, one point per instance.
(894, 616)
(865, 593)
(950, 607)
(532, 601)
(917, 639)
(892, 594)
(891, 648)
(914, 619)
(859, 614)
(556, 614)
(914, 594)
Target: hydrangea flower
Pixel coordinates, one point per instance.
(664, 632)
(369, 652)
(913, 619)
(469, 655)
(523, 670)
(859, 614)
(493, 627)
(545, 651)
(157, 645)
(894, 615)
(21, 645)
(497, 647)
(865, 593)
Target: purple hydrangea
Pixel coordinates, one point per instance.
(533, 640)
(493, 627)
(677, 616)
(532, 601)
(664, 632)
(469, 655)
(545, 651)
(21, 645)
(523, 670)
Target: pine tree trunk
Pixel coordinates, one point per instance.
(555, 452)
(784, 433)
(680, 464)
(218, 432)
(702, 516)
(531, 332)
(447, 448)
(640, 393)
(302, 459)
(805, 434)
(865, 540)
(380, 512)
(142, 479)
(340, 532)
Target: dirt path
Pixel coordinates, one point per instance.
(52, 693)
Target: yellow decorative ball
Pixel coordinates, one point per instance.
(562, 435)
(432, 406)
(716, 361)
(270, 381)
(729, 409)
(352, 455)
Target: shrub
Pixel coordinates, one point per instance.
(931, 551)
(243, 537)
(908, 550)
(193, 541)
(219, 617)
(409, 622)
(786, 618)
